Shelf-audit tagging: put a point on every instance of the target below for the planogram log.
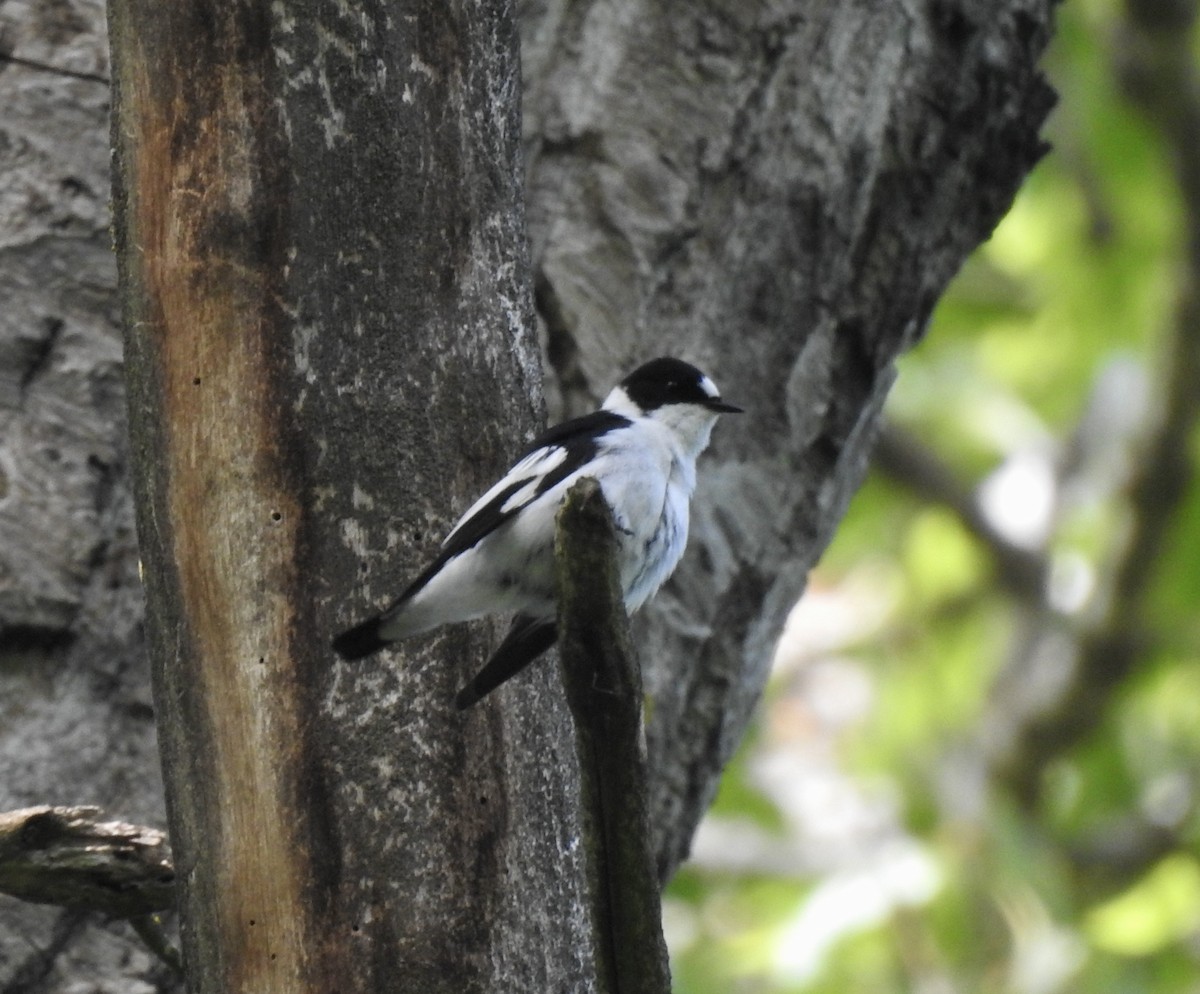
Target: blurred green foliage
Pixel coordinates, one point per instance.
(875, 833)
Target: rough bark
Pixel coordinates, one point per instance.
(780, 192)
(76, 722)
(328, 353)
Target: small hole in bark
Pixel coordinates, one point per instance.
(196, 382)
(276, 516)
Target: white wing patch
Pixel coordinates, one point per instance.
(538, 463)
(532, 468)
(521, 497)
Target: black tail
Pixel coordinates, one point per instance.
(527, 639)
(359, 641)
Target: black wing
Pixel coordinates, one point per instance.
(581, 431)
(527, 639)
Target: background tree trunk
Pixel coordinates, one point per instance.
(76, 721)
(777, 193)
(780, 193)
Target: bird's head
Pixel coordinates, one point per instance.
(676, 395)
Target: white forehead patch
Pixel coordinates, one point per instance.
(709, 387)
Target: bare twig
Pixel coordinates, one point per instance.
(18, 60)
(150, 930)
(72, 858)
(69, 857)
(898, 454)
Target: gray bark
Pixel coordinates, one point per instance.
(329, 352)
(780, 192)
(76, 722)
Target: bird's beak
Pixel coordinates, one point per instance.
(718, 405)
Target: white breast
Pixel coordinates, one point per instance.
(649, 489)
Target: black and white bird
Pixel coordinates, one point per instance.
(641, 446)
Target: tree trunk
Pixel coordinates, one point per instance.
(779, 193)
(328, 354)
